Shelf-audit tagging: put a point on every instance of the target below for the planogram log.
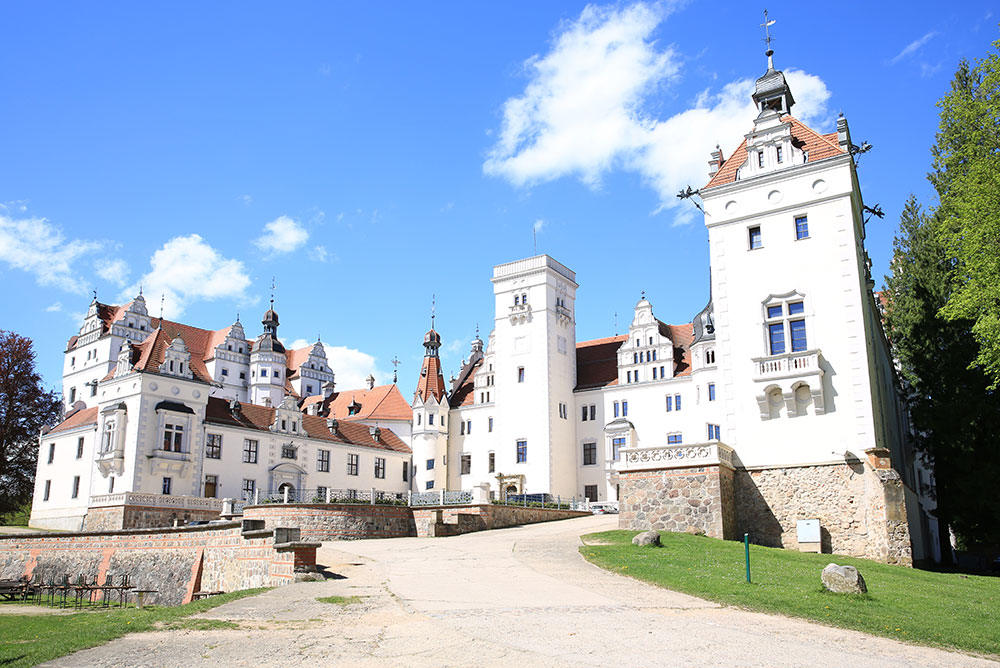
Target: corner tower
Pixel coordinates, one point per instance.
(430, 420)
(268, 363)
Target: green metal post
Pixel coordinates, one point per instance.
(746, 553)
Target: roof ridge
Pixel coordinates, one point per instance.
(819, 136)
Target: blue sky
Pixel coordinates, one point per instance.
(368, 157)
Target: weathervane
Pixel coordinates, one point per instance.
(272, 293)
(433, 306)
(395, 363)
(161, 309)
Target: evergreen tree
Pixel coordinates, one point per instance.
(25, 407)
(967, 179)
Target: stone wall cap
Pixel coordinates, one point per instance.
(121, 532)
(258, 533)
(284, 547)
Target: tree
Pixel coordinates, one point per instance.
(967, 179)
(25, 407)
(954, 413)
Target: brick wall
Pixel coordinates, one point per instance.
(176, 562)
(114, 518)
(464, 519)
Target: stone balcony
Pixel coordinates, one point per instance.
(788, 365)
(709, 453)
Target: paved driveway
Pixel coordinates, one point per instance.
(520, 596)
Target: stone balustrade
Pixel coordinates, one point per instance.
(710, 453)
(787, 365)
(155, 501)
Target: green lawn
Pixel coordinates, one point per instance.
(340, 600)
(944, 609)
(27, 640)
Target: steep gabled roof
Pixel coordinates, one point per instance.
(431, 381)
(463, 393)
(819, 147)
(149, 354)
(383, 402)
(81, 418)
(260, 418)
(597, 362)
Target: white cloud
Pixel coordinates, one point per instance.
(187, 269)
(350, 366)
(282, 235)
(318, 253)
(539, 224)
(55, 308)
(246, 199)
(582, 111)
(35, 246)
(113, 271)
(912, 47)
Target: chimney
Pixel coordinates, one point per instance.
(843, 134)
(313, 409)
(376, 433)
(332, 425)
(267, 401)
(715, 164)
(234, 407)
(371, 381)
(328, 388)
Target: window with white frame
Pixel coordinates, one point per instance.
(76, 486)
(249, 451)
(213, 446)
(617, 444)
(173, 437)
(352, 464)
(249, 488)
(589, 454)
(466, 464)
(801, 227)
(380, 467)
(323, 461)
(167, 485)
(714, 432)
(785, 325)
(674, 439)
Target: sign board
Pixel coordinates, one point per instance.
(808, 531)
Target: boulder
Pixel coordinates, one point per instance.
(647, 538)
(843, 580)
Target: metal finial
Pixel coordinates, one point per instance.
(161, 308)
(433, 307)
(272, 293)
(766, 25)
(616, 323)
(140, 289)
(95, 295)
(643, 294)
(395, 363)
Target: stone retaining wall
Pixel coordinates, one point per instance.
(698, 498)
(343, 521)
(176, 562)
(347, 521)
(115, 518)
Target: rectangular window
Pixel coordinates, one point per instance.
(520, 374)
(225, 372)
(111, 484)
(590, 491)
(352, 464)
(323, 461)
(406, 471)
(714, 432)
(493, 462)
(466, 464)
(430, 464)
(801, 227)
(796, 308)
(249, 487)
(76, 486)
(616, 409)
(780, 154)
(52, 452)
(670, 403)
(654, 373)
(616, 448)
(677, 402)
(79, 448)
(93, 388)
(624, 409)
(380, 467)
(673, 439)
(213, 446)
(711, 391)
(774, 311)
(760, 158)
(48, 490)
(522, 452)
(167, 485)
(211, 485)
(72, 395)
(249, 451)
(776, 336)
(593, 412)
(589, 454)
(490, 428)
(429, 485)
(629, 375)
(320, 493)
(173, 436)
(584, 416)
(798, 332)
(661, 373)
(430, 419)
(288, 451)
(462, 430)
(755, 238)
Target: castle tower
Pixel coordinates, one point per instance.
(535, 374)
(268, 363)
(430, 420)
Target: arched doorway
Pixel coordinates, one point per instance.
(290, 489)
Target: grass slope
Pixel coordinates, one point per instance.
(943, 609)
(27, 640)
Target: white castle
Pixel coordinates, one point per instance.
(778, 403)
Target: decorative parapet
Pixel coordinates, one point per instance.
(710, 453)
(787, 365)
(155, 501)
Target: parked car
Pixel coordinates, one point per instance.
(604, 507)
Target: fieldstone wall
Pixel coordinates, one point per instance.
(860, 509)
(175, 562)
(336, 521)
(115, 518)
(699, 498)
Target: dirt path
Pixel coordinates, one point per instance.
(519, 596)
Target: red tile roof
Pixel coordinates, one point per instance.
(682, 336)
(819, 147)
(81, 418)
(431, 381)
(383, 402)
(260, 418)
(463, 394)
(295, 359)
(597, 362)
